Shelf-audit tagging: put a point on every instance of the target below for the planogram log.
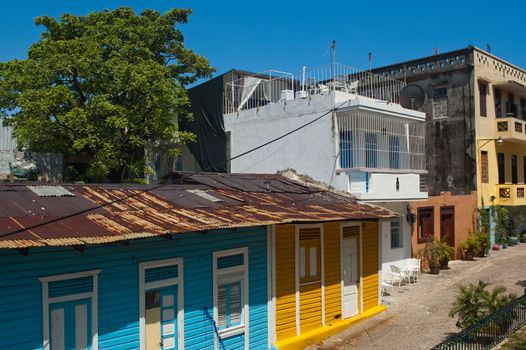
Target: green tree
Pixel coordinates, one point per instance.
(108, 87)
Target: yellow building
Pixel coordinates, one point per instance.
(500, 109)
(325, 278)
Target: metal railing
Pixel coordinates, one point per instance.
(489, 331)
(253, 91)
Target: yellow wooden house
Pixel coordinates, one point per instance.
(324, 279)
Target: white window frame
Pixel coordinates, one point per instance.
(400, 234)
(46, 301)
(243, 327)
(143, 287)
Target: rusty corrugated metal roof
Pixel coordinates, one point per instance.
(141, 211)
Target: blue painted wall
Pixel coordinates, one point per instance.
(21, 291)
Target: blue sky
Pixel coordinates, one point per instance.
(286, 35)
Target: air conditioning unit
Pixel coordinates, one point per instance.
(301, 94)
(286, 95)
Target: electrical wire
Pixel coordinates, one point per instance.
(135, 194)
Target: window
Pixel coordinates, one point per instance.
(231, 291)
(483, 90)
(70, 310)
(501, 167)
(523, 108)
(370, 150)
(514, 175)
(346, 149)
(426, 224)
(440, 92)
(396, 234)
(498, 103)
(524, 170)
(310, 255)
(394, 152)
(484, 171)
(511, 107)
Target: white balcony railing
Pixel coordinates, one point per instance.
(268, 87)
(370, 141)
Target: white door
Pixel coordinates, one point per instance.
(350, 276)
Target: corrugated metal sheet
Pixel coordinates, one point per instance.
(141, 211)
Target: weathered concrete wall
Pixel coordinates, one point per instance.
(450, 120)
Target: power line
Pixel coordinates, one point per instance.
(164, 184)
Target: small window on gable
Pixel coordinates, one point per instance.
(231, 291)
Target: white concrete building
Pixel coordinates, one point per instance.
(357, 138)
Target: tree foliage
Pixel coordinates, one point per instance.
(107, 87)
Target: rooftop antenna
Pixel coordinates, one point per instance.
(333, 57)
(370, 58)
(488, 48)
(435, 51)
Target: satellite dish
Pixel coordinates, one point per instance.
(412, 96)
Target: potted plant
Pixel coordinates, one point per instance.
(523, 237)
(483, 240)
(445, 253)
(430, 254)
(469, 247)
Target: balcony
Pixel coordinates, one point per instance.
(511, 129)
(511, 194)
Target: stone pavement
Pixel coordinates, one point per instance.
(418, 313)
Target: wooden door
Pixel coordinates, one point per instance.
(350, 276)
(447, 225)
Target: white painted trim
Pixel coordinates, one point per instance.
(143, 287)
(271, 316)
(274, 301)
(341, 270)
(71, 297)
(380, 257)
(361, 269)
(69, 276)
(297, 276)
(244, 282)
(322, 257)
(94, 303)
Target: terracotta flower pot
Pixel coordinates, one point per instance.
(434, 269)
(468, 256)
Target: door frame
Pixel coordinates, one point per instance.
(297, 271)
(452, 207)
(46, 300)
(143, 287)
(360, 265)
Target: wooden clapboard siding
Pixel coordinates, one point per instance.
(370, 265)
(285, 281)
(331, 241)
(118, 316)
(310, 307)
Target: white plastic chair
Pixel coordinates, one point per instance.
(413, 269)
(353, 87)
(397, 273)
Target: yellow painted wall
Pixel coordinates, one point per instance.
(331, 243)
(492, 70)
(370, 265)
(285, 282)
(310, 307)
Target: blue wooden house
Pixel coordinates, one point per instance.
(178, 265)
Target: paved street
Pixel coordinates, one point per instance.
(417, 316)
